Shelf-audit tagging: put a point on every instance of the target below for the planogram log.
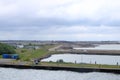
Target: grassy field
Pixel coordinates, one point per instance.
(29, 54)
(63, 64)
(78, 65)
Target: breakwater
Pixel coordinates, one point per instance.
(117, 71)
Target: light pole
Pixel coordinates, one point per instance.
(81, 58)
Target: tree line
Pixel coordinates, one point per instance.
(6, 49)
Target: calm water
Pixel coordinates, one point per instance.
(104, 47)
(30, 74)
(79, 58)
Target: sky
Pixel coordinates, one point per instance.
(70, 20)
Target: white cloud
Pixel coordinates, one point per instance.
(85, 9)
(7, 10)
(65, 9)
(103, 12)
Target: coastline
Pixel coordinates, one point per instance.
(116, 71)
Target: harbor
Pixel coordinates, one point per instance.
(64, 56)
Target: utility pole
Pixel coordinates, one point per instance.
(81, 58)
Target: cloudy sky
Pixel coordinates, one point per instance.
(74, 20)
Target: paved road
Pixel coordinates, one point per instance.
(6, 61)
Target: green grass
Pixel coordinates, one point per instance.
(29, 54)
(0, 56)
(78, 65)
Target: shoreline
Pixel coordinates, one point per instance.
(81, 70)
(89, 52)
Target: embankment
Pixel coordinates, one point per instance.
(117, 71)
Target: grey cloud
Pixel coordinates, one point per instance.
(47, 22)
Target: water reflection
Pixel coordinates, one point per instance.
(80, 58)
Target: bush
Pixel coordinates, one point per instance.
(60, 61)
(23, 51)
(50, 61)
(6, 49)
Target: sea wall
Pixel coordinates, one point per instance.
(117, 71)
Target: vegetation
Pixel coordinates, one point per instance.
(26, 55)
(30, 54)
(60, 61)
(79, 65)
(6, 49)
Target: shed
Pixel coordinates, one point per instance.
(6, 56)
(15, 56)
(10, 56)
